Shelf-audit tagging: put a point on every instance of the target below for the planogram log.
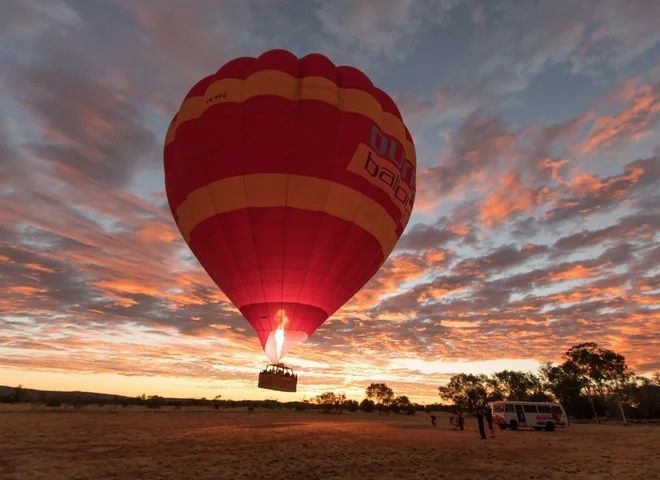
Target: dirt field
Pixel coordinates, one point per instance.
(101, 443)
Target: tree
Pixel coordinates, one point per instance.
(351, 405)
(154, 401)
(565, 385)
(19, 394)
(643, 396)
(331, 401)
(382, 393)
(367, 405)
(403, 403)
(514, 385)
(468, 392)
(326, 401)
(601, 371)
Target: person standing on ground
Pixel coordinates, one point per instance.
(489, 420)
(460, 421)
(480, 421)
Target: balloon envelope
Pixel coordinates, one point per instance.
(291, 180)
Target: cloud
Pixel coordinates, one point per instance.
(500, 259)
(556, 35)
(531, 234)
(198, 39)
(24, 22)
(590, 193)
(398, 269)
(391, 30)
(636, 118)
(640, 226)
(592, 37)
(85, 125)
(473, 148)
(510, 197)
(422, 236)
(621, 32)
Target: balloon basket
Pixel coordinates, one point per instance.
(277, 376)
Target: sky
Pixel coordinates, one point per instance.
(535, 225)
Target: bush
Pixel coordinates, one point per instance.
(351, 405)
(154, 402)
(367, 405)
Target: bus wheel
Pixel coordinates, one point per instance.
(549, 427)
(538, 429)
(514, 425)
(502, 426)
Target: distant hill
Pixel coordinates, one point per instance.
(32, 395)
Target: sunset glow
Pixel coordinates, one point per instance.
(535, 225)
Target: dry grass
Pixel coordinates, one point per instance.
(102, 443)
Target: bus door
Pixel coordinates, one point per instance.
(521, 415)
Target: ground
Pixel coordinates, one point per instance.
(134, 443)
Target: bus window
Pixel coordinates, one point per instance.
(508, 407)
(544, 408)
(530, 408)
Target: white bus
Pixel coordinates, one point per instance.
(538, 415)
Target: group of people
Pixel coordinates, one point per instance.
(282, 372)
(457, 422)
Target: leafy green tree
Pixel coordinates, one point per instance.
(513, 385)
(642, 396)
(469, 392)
(381, 393)
(602, 372)
(565, 385)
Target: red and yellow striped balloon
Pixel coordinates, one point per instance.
(291, 180)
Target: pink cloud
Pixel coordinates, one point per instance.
(634, 120)
(510, 197)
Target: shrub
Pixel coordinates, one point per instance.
(367, 405)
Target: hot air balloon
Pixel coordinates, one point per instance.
(291, 180)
